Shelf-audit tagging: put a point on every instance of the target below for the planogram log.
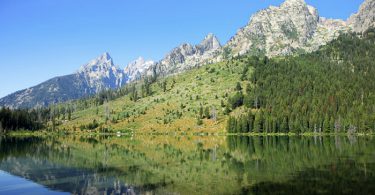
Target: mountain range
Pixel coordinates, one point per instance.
(292, 28)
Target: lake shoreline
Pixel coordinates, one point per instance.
(46, 133)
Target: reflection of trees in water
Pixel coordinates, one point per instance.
(352, 139)
(14, 147)
(346, 177)
(276, 158)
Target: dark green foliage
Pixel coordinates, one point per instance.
(227, 109)
(331, 90)
(207, 113)
(236, 100)
(222, 104)
(11, 120)
(146, 87)
(164, 85)
(238, 86)
(93, 125)
(201, 112)
(133, 94)
(244, 124)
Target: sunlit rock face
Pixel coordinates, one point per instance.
(187, 56)
(135, 69)
(101, 74)
(365, 18)
(293, 26)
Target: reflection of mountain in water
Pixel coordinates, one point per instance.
(30, 158)
(66, 179)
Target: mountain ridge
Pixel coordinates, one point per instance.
(96, 75)
(187, 56)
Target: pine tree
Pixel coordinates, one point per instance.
(284, 127)
(164, 85)
(227, 109)
(201, 111)
(69, 114)
(207, 112)
(238, 86)
(244, 124)
(258, 123)
(326, 124)
(230, 126)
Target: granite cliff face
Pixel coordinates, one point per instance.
(365, 18)
(135, 69)
(187, 56)
(101, 74)
(290, 28)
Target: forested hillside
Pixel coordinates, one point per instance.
(331, 90)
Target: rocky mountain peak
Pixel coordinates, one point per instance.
(300, 6)
(101, 73)
(135, 69)
(293, 3)
(293, 26)
(104, 61)
(210, 42)
(187, 56)
(105, 56)
(136, 63)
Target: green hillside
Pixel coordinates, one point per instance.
(179, 108)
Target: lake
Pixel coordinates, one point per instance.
(187, 165)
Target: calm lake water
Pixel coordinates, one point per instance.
(187, 165)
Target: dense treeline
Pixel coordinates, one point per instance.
(331, 90)
(21, 119)
(35, 119)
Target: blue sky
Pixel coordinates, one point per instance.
(41, 39)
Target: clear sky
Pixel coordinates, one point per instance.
(41, 39)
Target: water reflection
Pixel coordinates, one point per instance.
(191, 165)
(346, 177)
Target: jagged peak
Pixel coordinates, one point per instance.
(103, 61)
(210, 42)
(140, 59)
(105, 56)
(140, 62)
(211, 37)
(293, 3)
(137, 67)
